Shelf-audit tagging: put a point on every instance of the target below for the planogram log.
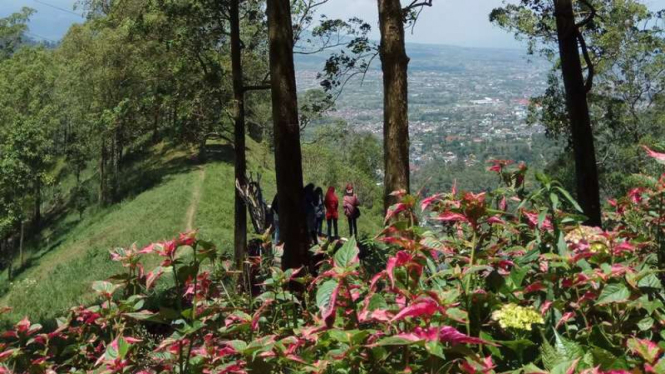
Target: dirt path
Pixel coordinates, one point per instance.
(196, 197)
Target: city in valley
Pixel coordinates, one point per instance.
(466, 105)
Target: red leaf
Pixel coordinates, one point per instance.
(7, 353)
(452, 217)
(427, 202)
(660, 157)
(23, 325)
(152, 277)
(394, 211)
(496, 220)
(503, 204)
(565, 318)
(424, 308)
(451, 335)
(573, 367)
(257, 315)
(330, 310)
(187, 238)
(400, 259)
(400, 193)
(535, 287)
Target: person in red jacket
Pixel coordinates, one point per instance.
(332, 205)
(352, 210)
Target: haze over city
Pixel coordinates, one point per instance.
(454, 22)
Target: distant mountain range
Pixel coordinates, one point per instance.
(437, 57)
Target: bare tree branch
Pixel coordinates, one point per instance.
(585, 52)
(417, 4)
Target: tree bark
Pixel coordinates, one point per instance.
(586, 170)
(37, 214)
(20, 244)
(240, 227)
(394, 63)
(102, 174)
(288, 155)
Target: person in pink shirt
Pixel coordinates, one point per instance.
(351, 210)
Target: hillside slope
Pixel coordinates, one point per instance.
(173, 194)
(181, 195)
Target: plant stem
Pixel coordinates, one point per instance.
(468, 282)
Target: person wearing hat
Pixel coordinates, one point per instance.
(351, 210)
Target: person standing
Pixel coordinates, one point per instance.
(320, 210)
(332, 215)
(352, 210)
(310, 212)
(275, 218)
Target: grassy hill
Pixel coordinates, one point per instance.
(169, 193)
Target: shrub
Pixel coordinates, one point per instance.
(504, 281)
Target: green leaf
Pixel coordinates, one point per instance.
(598, 338)
(517, 345)
(435, 349)
(324, 296)
(141, 316)
(614, 293)
(659, 368)
(528, 258)
(562, 367)
(517, 275)
(568, 348)
(603, 358)
(648, 350)
(646, 324)
(555, 200)
(359, 336)
(347, 255)
(495, 351)
(561, 245)
(542, 178)
(541, 218)
(532, 369)
(340, 336)
(238, 345)
(564, 351)
(104, 288)
(457, 314)
(549, 355)
(650, 281)
(123, 347)
(395, 340)
(570, 199)
(377, 302)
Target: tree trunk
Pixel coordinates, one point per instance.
(155, 126)
(20, 244)
(288, 155)
(578, 111)
(37, 215)
(394, 63)
(102, 174)
(240, 228)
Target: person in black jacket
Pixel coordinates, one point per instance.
(275, 218)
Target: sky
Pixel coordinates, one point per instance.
(455, 22)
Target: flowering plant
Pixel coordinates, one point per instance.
(503, 281)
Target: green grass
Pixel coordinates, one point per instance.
(70, 254)
(59, 275)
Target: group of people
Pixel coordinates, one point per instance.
(320, 207)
